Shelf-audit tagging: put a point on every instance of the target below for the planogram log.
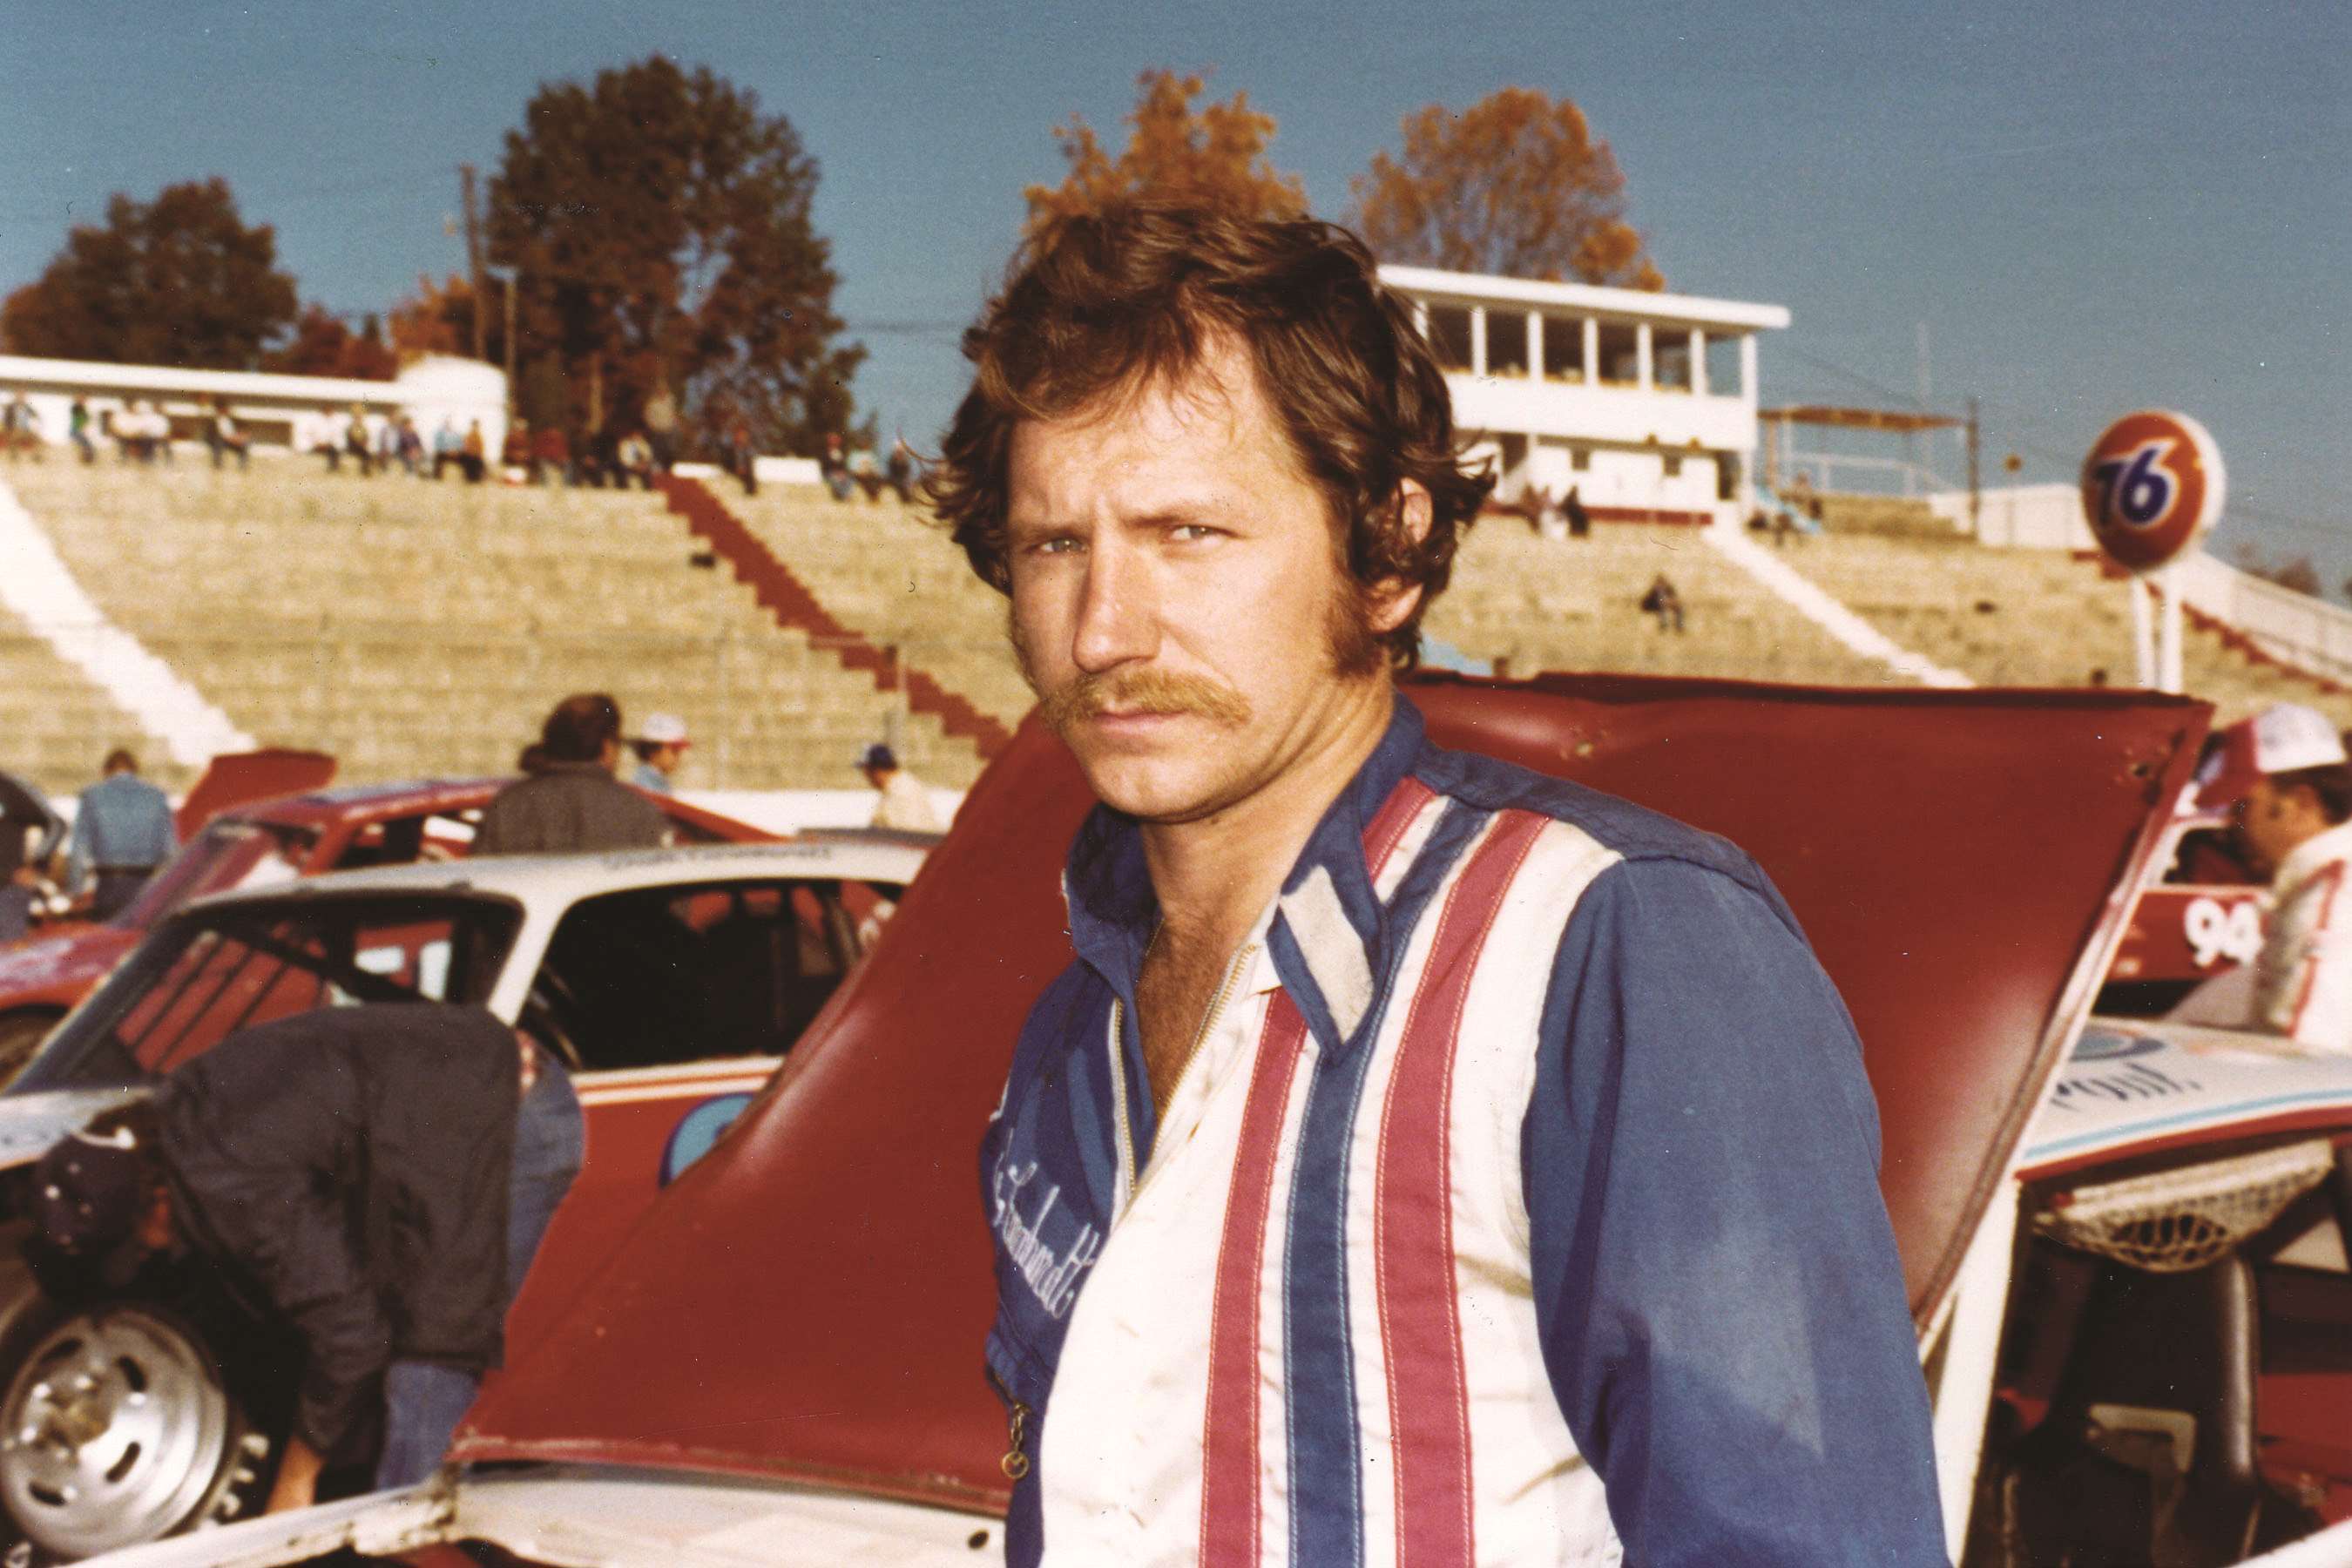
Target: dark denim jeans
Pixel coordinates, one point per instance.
(424, 1400)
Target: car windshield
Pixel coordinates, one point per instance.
(210, 972)
(227, 853)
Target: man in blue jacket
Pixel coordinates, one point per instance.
(123, 831)
(1422, 1159)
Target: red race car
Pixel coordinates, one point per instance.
(264, 841)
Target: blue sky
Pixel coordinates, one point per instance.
(2091, 207)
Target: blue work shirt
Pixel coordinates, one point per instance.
(123, 823)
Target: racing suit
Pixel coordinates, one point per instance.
(2303, 976)
(1518, 1205)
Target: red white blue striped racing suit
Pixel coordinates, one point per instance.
(1519, 1205)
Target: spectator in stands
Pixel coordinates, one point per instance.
(573, 801)
(360, 438)
(661, 428)
(222, 435)
(741, 461)
(123, 831)
(24, 814)
(515, 457)
(1800, 496)
(906, 802)
(448, 446)
(551, 456)
(78, 430)
(1662, 601)
(660, 747)
(20, 428)
(377, 1179)
(2285, 777)
(867, 472)
(330, 432)
(902, 470)
(832, 468)
(634, 461)
(474, 456)
(135, 434)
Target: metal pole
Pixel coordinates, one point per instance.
(726, 707)
(2143, 632)
(514, 276)
(1975, 487)
(2169, 673)
(474, 260)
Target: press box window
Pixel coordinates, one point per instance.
(1670, 359)
(1723, 365)
(1620, 354)
(1449, 336)
(1507, 342)
(1563, 356)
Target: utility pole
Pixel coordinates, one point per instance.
(514, 276)
(1975, 492)
(474, 259)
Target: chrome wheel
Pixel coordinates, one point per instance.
(115, 1430)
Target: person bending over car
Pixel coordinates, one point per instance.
(357, 1173)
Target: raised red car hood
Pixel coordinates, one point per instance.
(809, 1302)
(236, 777)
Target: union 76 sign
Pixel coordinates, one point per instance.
(2151, 487)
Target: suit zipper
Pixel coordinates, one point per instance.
(1208, 1024)
(1015, 1462)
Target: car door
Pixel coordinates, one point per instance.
(674, 1005)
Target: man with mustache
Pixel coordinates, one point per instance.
(1422, 1160)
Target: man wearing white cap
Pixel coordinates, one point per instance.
(2283, 775)
(660, 747)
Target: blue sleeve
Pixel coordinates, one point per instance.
(1721, 1306)
(80, 861)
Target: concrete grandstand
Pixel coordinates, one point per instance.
(416, 629)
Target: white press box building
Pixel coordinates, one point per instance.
(1644, 402)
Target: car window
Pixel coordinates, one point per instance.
(227, 853)
(661, 974)
(403, 840)
(204, 978)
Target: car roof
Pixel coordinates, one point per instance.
(533, 878)
(321, 805)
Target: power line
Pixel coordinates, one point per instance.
(2067, 461)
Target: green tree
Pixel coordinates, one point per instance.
(1215, 155)
(1515, 184)
(658, 223)
(180, 280)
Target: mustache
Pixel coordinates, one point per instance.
(1155, 692)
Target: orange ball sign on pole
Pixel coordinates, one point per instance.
(2152, 488)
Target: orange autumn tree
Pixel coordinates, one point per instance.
(1514, 186)
(1214, 154)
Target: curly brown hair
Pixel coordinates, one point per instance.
(1129, 296)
